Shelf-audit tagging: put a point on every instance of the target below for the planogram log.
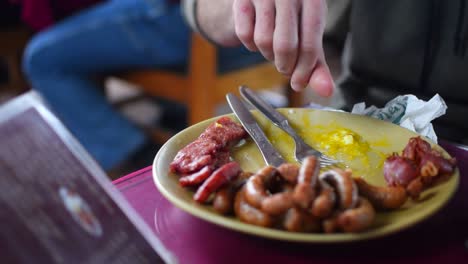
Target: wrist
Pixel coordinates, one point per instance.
(215, 21)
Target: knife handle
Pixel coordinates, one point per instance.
(271, 113)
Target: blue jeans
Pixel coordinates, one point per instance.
(62, 63)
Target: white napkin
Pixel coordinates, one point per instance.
(408, 111)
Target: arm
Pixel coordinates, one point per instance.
(286, 32)
(212, 19)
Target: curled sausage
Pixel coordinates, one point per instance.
(256, 186)
(415, 187)
(297, 220)
(277, 203)
(325, 202)
(245, 175)
(357, 219)
(344, 184)
(289, 172)
(249, 214)
(383, 197)
(224, 200)
(304, 192)
(330, 224)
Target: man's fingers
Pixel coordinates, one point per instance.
(244, 22)
(264, 27)
(313, 24)
(286, 35)
(321, 80)
(310, 42)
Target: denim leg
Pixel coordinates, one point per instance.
(63, 61)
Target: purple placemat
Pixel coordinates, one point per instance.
(443, 238)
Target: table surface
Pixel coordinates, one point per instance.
(443, 238)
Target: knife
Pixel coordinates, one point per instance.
(278, 119)
(271, 156)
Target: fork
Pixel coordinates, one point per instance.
(302, 149)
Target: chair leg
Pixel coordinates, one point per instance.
(16, 83)
(295, 99)
(202, 80)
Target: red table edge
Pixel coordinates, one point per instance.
(131, 175)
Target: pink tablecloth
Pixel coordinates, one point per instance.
(443, 238)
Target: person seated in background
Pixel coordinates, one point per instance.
(392, 48)
(64, 61)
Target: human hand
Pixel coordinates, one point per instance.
(288, 33)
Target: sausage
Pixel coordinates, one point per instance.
(428, 169)
(256, 186)
(344, 184)
(304, 192)
(277, 203)
(388, 197)
(289, 172)
(330, 224)
(357, 219)
(196, 178)
(399, 170)
(415, 187)
(323, 205)
(303, 195)
(297, 220)
(218, 178)
(249, 214)
(293, 220)
(245, 175)
(223, 201)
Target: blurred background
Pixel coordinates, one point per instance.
(159, 101)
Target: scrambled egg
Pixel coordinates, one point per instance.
(343, 143)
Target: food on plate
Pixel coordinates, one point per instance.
(418, 167)
(323, 205)
(357, 218)
(298, 197)
(304, 191)
(344, 185)
(383, 197)
(336, 141)
(256, 187)
(210, 149)
(222, 176)
(297, 220)
(250, 214)
(327, 202)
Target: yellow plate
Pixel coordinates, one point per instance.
(383, 138)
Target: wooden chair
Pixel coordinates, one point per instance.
(202, 88)
(12, 43)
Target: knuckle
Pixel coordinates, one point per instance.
(285, 47)
(263, 41)
(244, 35)
(309, 48)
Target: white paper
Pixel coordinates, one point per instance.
(409, 112)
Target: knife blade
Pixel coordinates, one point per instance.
(270, 154)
